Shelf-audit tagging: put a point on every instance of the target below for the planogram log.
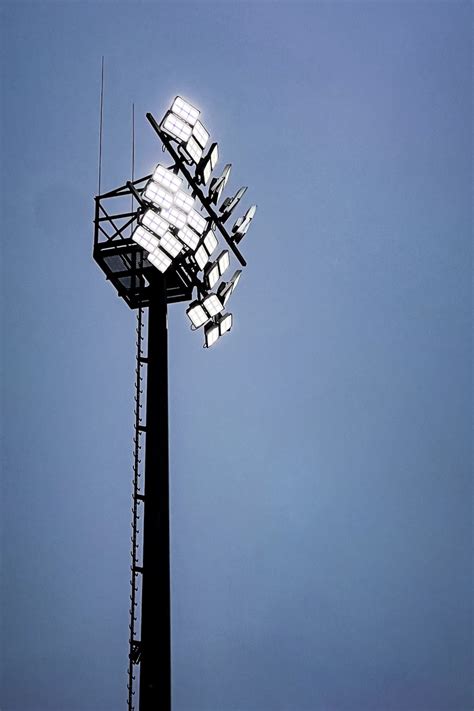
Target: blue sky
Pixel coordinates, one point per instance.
(320, 454)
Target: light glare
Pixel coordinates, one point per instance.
(171, 245)
(177, 128)
(175, 217)
(183, 201)
(166, 178)
(158, 195)
(154, 222)
(189, 237)
(145, 239)
(185, 110)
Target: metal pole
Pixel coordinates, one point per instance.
(155, 666)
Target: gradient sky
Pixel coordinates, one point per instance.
(320, 454)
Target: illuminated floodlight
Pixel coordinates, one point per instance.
(213, 305)
(243, 223)
(211, 334)
(196, 314)
(171, 245)
(229, 204)
(225, 323)
(188, 237)
(208, 163)
(212, 275)
(223, 261)
(213, 331)
(196, 221)
(176, 127)
(185, 110)
(157, 195)
(145, 239)
(214, 271)
(218, 184)
(166, 178)
(200, 134)
(226, 289)
(175, 217)
(183, 201)
(207, 247)
(194, 150)
(201, 256)
(159, 259)
(210, 242)
(154, 222)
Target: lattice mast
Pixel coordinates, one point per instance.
(154, 238)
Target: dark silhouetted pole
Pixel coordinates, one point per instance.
(155, 667)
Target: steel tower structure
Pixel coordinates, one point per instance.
(156, 248)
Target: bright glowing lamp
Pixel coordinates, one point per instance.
(212, 304)
(157, 195)
(201, 256)
(159, 259)
(166, 178)
(175, 217)
(176, 127)
(214, 272)
(196, 314)
(183, 201)
(210, 242)
(145, 239)
(171, 245)
(213, 331)
(211, 334)
(194, 150)
(188, 237)
(185, 110)
(196, 221)
(200, 134)
(154, 222)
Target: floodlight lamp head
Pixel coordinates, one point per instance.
(218, 184)
(216, 328)
(239, 230)
(207, 164)
(226, 289)
(229, 204)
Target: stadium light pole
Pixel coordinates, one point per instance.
(156, 252)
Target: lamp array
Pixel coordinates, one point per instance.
(170, 227)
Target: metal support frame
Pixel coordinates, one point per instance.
(141, 285)
(179, 161)
(155, 664)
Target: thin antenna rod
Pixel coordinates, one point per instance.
(133, 147)
(101, 121)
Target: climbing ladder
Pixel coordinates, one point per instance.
(136, 567)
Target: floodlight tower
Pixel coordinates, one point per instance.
(156, 250)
